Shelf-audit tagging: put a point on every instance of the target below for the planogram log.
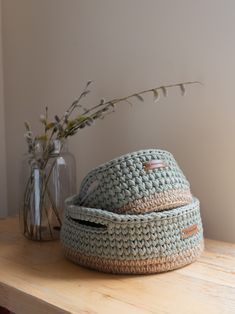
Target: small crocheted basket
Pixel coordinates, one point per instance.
(132, 244)
(143, 181)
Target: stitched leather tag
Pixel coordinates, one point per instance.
(189, 231)
(153, 164)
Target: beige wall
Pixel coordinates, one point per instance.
(52, 47)
(3, 196)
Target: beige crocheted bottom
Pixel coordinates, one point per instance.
(145, 266)
(157, 202)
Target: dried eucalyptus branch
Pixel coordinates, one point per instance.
(65, 126)
(103, 108)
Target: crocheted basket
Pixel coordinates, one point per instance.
(132, 244)
(143, 181)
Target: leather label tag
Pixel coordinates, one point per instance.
(153, 164)
(189, 231)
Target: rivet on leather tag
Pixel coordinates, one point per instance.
(189, 231)
(153, 164)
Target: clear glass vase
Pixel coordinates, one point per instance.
(45, 189)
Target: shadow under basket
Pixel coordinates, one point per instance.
(132, 244)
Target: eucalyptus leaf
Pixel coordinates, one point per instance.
(156, 95)
(26, 124)
(57, 119)
(83, 94)
(74, 103)
(105, 109)
(139, 97)
(88, 83)
(164, 91)
(102, 101)
(129, 102)
(89, 121)
(182, 88)
(97, 115)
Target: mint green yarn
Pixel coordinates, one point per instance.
(130, 237)
(124, 180)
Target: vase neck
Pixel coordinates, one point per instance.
(58, 147)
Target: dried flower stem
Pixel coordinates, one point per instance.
(93, 112)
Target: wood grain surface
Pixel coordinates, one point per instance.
(35, 278)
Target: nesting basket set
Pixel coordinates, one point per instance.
(134, 215)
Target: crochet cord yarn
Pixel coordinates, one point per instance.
(143, 181)
(132, 244)
(134, 215)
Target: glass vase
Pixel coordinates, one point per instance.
(45, 188)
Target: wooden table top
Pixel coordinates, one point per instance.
(35, 278)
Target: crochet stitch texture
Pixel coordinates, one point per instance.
(134, 215)
(143, 181)
(131, 244)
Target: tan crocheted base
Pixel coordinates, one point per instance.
(146, 266)
(157, 202)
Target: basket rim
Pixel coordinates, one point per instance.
(129, 156)
(115, 218)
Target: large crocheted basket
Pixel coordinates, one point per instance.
(132, 244)
(143, 181)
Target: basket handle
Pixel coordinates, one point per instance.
(88, 185)
(87, 217)
(87, 223)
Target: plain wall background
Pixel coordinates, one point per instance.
(3, 188)
(52, 47)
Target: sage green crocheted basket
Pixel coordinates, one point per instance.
(132, 244)
(143, 181)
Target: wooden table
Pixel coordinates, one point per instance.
(35, 278)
